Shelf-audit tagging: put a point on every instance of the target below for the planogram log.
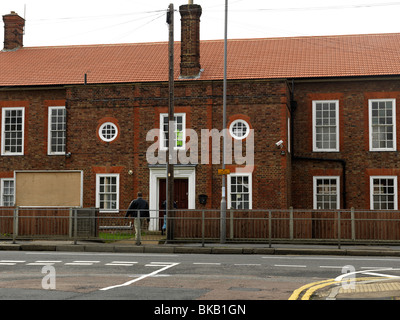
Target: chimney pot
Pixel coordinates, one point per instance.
(13, 31)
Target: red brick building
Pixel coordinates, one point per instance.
(87, 110)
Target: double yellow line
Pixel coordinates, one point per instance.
(309, 289)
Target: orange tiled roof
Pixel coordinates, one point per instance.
(299, 57)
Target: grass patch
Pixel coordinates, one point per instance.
(116, 236)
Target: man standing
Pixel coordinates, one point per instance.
(138, 208)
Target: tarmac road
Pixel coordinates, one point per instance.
(111, 276)
(158, 276)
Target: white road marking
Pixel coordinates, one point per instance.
(121, 263)
(10, 262)
(103, 254)
(335, 258)
(347, 275)
(207, 263)
(381, 275)
(43, 263)
(157, 264)
(155, 276)
(141, 278)
(290, 265)
(81, 263)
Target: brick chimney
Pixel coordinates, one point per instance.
(13, 31)
(190, 40)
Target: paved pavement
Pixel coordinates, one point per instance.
(371, 288)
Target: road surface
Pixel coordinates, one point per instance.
(118, 276)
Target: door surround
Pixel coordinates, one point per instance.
(159, 172)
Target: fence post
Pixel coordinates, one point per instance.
(75, 225)
(339, 229)
(139, 229)
(291, 223)
(353, 225)
(270, 228)
(15, 224)
(202, 228)
(231, 224)
(70, 223)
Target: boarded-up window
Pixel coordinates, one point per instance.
(48, 189)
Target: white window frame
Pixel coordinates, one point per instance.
(3, 138)
(371, 188)
(250, 176)
(2, 191)
(370, 102)
(103, 175)
(49, 142)
(234, 136)
(315, 191)
(102, 137)
(314, 124)
(162, 132)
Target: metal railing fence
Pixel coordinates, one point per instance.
(203, 226)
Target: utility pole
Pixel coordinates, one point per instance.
(223, 200)
(171, 126)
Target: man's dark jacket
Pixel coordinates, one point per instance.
(138, 205)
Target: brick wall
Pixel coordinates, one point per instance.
(36, 103)
(353, 99)
(279, 181)
(136, 109)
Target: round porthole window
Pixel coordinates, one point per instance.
(239, 129)
(108, 132)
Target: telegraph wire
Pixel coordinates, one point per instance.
(141, 26)
(154, 16)
(325, 41)
(88, 18)
(333, 7)
(339, 7)
(328, 41)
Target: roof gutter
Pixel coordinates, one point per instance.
(346, 78)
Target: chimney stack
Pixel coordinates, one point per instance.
(13, 31)
(190, 40)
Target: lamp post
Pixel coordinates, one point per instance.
(171, 138)
(223, 200)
